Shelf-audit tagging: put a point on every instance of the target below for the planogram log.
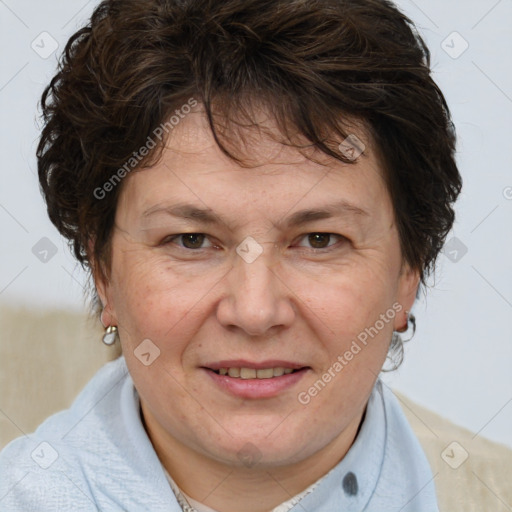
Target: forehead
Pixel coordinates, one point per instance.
(272, 175)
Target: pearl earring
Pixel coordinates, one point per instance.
(109, 337)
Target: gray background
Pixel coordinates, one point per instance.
(459, 363)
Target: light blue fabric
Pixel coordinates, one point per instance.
(98, 456)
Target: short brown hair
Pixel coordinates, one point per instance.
(312, 63)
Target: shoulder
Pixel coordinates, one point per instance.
(45, 470)
(33, 478)
(406, 476)
(95, 455)
(471, 471)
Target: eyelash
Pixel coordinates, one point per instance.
(171, 239)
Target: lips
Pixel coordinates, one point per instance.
(252, 373)
(243, 363)
(241, 369)
(249, 379)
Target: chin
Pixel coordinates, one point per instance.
(259, 447)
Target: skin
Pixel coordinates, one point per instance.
(297, 302)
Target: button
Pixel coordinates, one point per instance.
(350, 485)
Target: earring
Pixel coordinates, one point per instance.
(109, 337)
(396, 347)
(411, 319)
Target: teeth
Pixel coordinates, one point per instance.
(251, 373)
(267, 373)
(234, 372)
(247, 373)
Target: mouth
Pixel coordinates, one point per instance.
(255, 380)
(253, 373)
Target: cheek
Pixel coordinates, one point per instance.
(154, 300)
(346, 311)
(144, 296)
(349, 298)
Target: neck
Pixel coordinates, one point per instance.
(257, 489)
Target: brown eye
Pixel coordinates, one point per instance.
(193, 240)
(188, 241)
(319, 240)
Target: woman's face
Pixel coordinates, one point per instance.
(291, 266)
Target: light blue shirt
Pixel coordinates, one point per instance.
(97, 456)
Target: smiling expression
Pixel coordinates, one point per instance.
(318, 261)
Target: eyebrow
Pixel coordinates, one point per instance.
(299, 218)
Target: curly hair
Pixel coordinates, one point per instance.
(313, 64)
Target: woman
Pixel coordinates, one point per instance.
(258, 189)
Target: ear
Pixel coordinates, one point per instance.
(102, 286)
(408, 283)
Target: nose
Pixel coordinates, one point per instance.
(258, 300)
